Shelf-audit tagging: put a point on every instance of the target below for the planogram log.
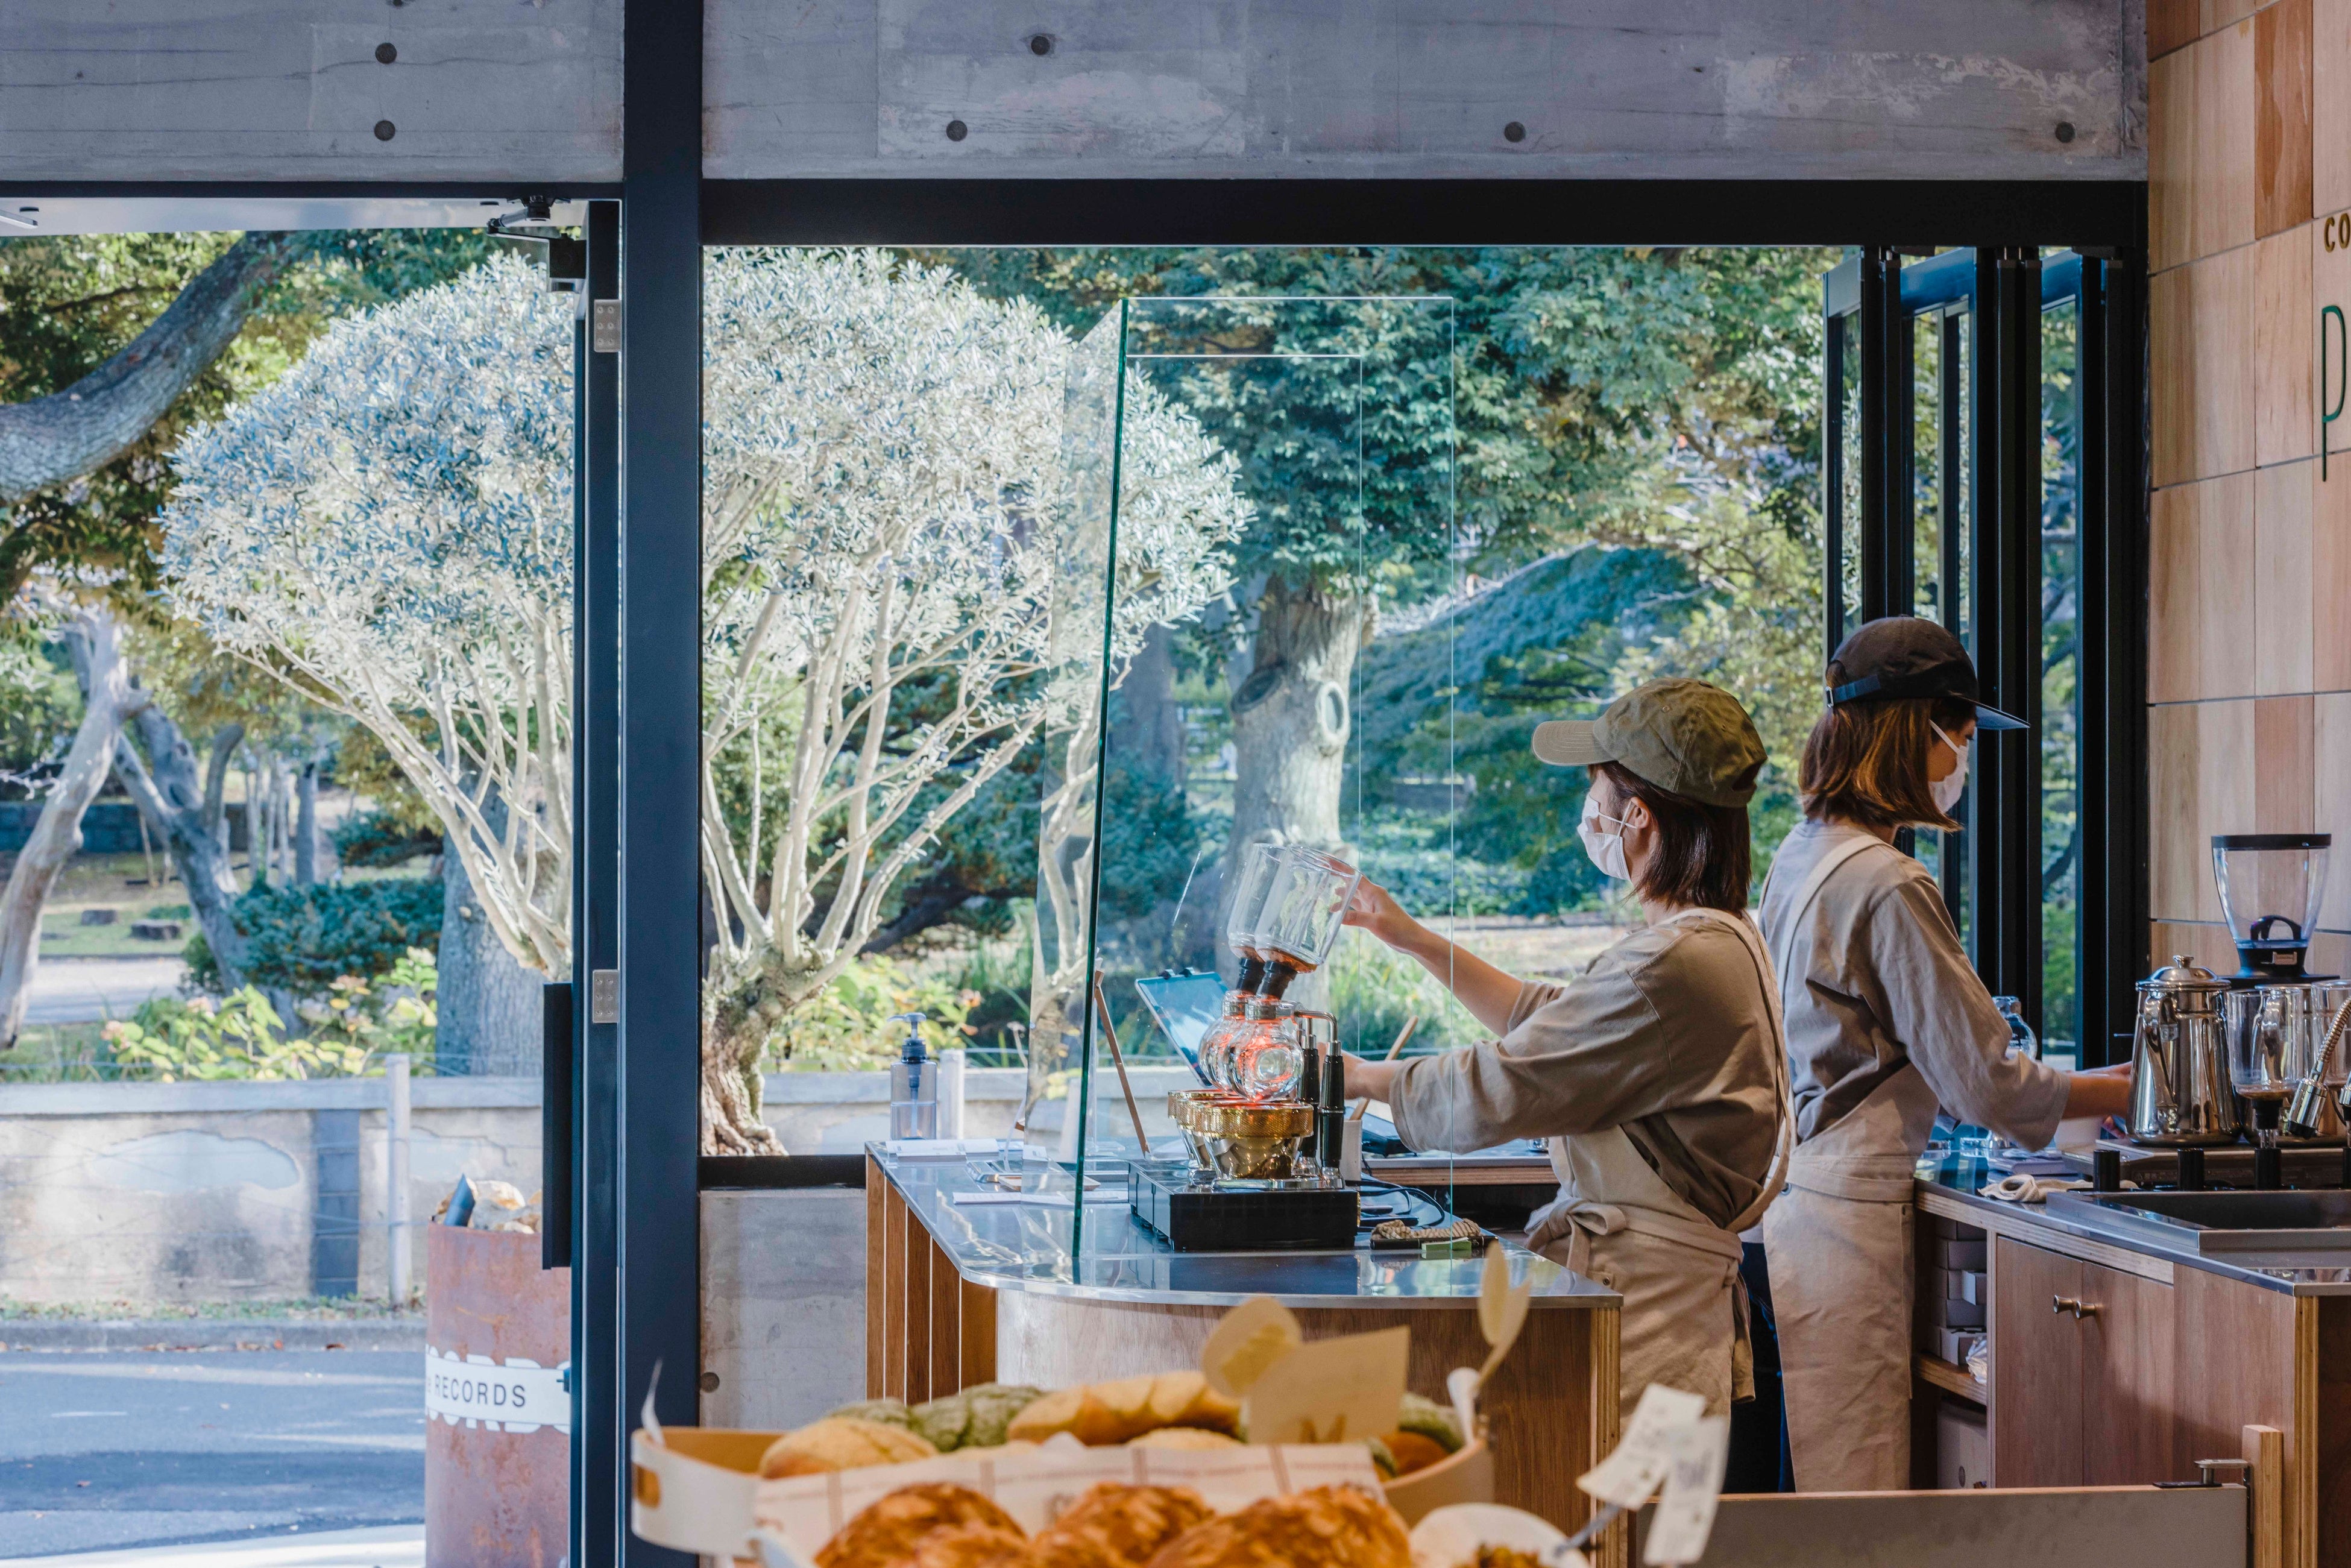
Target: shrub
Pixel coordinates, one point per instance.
(847, 1025)
(1374, 989)
(242, 1036)
(384, 839)
(301, 939)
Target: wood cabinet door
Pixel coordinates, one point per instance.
(2127, 1380)
(2036, 1368)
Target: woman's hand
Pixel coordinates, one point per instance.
(1374, 909)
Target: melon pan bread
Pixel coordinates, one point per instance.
(1097, 1414)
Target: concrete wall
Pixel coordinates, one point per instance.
(515, 96)
(212, 1192)
(783, 1305)
(2250, 637)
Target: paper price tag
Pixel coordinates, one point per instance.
(1684, 1515)
(1628, 1477)
(1331, 1391)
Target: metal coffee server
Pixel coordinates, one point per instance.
(2179, 1060)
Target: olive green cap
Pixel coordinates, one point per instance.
(1678, 734)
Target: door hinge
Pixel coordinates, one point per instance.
(604, 326)
(604, 996)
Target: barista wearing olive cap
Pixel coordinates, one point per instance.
(1659, 1075)
(1885, 1019)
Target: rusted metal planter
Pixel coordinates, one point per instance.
(497, 1441)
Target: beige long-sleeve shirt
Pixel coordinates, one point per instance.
(1667, 1035)
(1887, 983)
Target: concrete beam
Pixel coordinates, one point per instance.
(513, 97)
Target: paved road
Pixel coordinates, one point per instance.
(111, 1450)
(83, 990)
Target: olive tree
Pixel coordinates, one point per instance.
(885, 485)
(387, 527)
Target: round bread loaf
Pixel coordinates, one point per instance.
(1329, 1527)
(841, 1443)
(1127, 1523)
(887, 1532)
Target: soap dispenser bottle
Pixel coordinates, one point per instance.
(914, 1085)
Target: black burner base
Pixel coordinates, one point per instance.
(1241, 1219)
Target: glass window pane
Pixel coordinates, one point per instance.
(2060, 729)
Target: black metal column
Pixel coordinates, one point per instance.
(660, 689)
(599, 1409)
(2113, 905)
(1888, 512)
(2006, 892)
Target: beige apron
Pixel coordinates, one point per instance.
(1838, 1245)
(1618, 1224)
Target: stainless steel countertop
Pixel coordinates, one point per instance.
(2272, 1271)
(1026, 1247)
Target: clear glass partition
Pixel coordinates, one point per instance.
(1253, 487)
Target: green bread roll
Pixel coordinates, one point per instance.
(1431, 1420)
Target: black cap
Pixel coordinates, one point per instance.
(1909, 656)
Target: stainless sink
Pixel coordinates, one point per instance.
(2225, 1222)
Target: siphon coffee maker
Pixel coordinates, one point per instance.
(2271, 886)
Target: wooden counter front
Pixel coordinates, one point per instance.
(1551, 1408)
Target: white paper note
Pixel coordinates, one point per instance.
(1684, 1515)
(1627, 1477)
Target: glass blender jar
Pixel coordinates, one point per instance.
(2271, 888)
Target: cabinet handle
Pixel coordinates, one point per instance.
(2078, 1308)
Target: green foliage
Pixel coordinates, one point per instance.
(395, 1012)
(69, 302)
(847, 1025)
(41, 703)
(303, 939)
(1148, 838)
(1374, 989)
(240, 1036)
(383, 839)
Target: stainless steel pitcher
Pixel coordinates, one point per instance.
(2179, 1060)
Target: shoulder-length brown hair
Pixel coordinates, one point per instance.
(1866, 762)
(1704, 855)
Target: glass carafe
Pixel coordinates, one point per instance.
(1307, 907)
(1266, 1058)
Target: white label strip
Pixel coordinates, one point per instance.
(516, 1396)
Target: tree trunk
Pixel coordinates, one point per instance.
(257, 841)
(95, 639)
(1150, 737)
(225, 740)
(170, 795)
(1291, 718)
(58, 439)
(489, 1004)
(306, 829)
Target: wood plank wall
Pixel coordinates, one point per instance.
(928, 1332)
(2249, 670)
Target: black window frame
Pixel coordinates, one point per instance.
(1990, 301)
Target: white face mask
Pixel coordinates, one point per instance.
(1606, 848)
(1948, 789)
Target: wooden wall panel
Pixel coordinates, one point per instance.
(2330, 574)
(2330, 105)
(2281, 626)
(2282, 149)
(2214, 14)
(2331, 799)
(2221, 191)
(2284, 425)
(2174, 867)
(2201, 576)
(877, 1280)
(2283, 779)
(2202, 351)
(2208, 944)
(2172, 25)
(2201, 783)
(2170, 156)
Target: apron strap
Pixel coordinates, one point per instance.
(1783, 1143)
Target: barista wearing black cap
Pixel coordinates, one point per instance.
(1660, 1075)
(1886, 1019)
